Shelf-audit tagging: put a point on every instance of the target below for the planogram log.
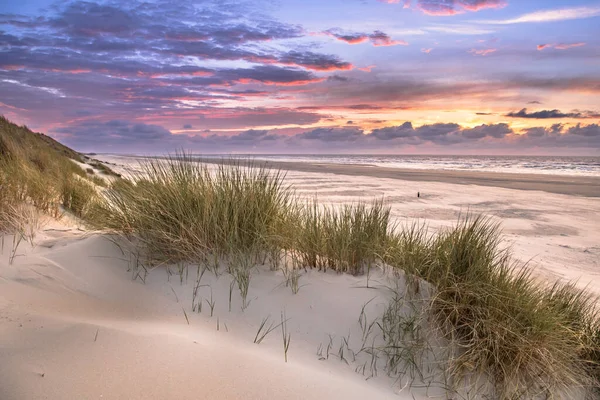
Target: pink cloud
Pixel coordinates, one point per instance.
(385, 40)
(477, 5)
(482, 52)
(377, 38)
(426, 51)
(565, 46)
(349, 38)
(406, 3)
(560, 46)
(450, 7)
(367, 69)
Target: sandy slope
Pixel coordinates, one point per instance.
(74, 325)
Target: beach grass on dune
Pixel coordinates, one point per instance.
(181, 210)
(36, 170)
(527, 338)
(530, 339)
(349, 238)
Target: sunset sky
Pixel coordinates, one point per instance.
(306, 76)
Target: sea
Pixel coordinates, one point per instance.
(547, 165)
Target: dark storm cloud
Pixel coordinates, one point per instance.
(549, 114)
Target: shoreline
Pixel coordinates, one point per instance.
(584, 186)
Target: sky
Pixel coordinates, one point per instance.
(478, 77)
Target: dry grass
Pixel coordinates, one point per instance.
(528, 339)
(180, 210)
(38, 171)
(347, 239)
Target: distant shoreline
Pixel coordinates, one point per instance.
(585, 186)
(561, 184)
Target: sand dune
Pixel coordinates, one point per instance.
(75, 325)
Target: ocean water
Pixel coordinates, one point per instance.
(576, 166)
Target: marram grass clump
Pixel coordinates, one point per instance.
(349, 238)
(182, 210)
(528, 339)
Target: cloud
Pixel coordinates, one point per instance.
(377, 38)
(393, 132)
(125, 136)
(560, 46)
(483, 131)
(482, 52)
(338, 78)
(550, 114)
(453, 7)
(112, 132)
(141, 33)
(314, 61)
(426, 51)
(563, 14)
(187, 126)
(565, 46)
(332, 134)
(251, 135)
(460, 29)
(268, 74)
(350, 38)
(557, 136)
(367, 69)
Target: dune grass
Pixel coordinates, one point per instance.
(38, 171)
(350, 238)
(527, 338)
(181, 210)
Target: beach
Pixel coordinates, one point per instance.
(79, 321)
(549, 221)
